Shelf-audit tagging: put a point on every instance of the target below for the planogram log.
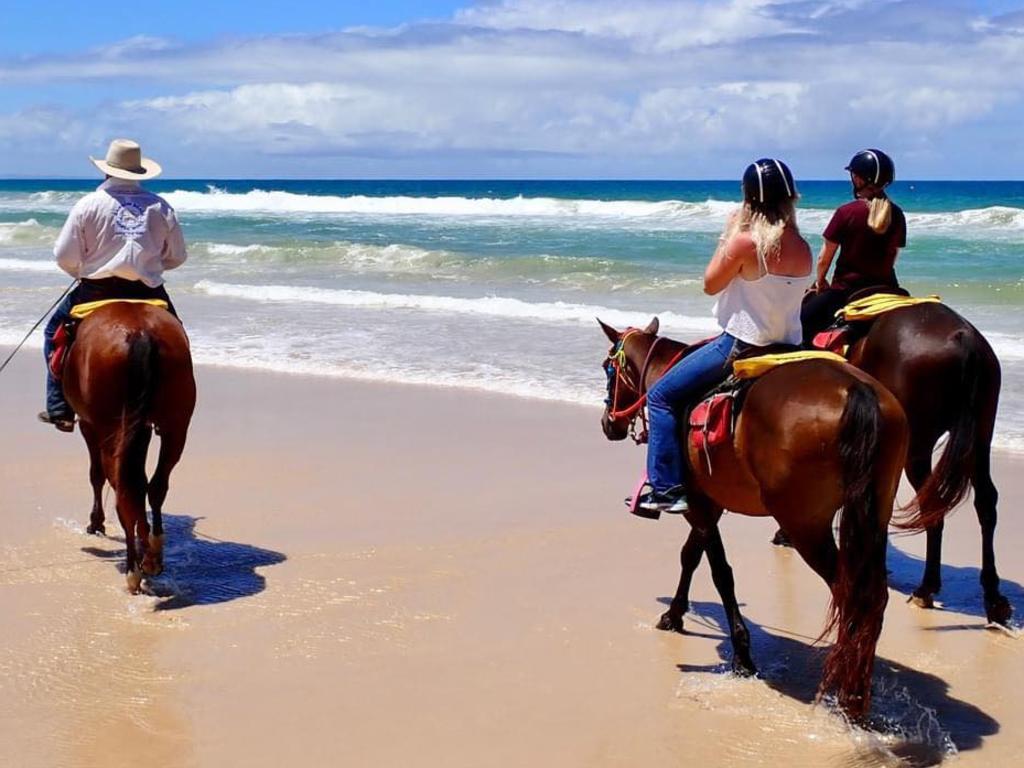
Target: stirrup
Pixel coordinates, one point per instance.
(64, 423)
(642, 489)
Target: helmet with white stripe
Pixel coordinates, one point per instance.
(874, 166)
(768, 181)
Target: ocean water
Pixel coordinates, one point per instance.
(495, 285)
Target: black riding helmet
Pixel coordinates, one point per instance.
(768, 181)
(874, 166)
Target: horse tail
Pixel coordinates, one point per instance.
(140, 385)
(949, 480)
(859, 590)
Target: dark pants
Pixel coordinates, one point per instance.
(819, 310)
(86, 291)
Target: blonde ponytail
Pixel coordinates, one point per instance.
(879, 214)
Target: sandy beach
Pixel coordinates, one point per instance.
(379, 575)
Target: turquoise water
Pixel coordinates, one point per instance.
(495, 284)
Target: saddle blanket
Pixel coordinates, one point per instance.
(870, 307)
(82, 311)
(752, 367)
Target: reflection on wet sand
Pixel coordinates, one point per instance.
(78, 688)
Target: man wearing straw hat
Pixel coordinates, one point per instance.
(117, 242)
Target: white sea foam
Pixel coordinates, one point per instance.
(657, 214)
(997, 217)
(662, 212)
(28, 232)
(1007, 346)
(360, 255)
(28, 265)
(490, 306)
(271, 202)
(229, 249)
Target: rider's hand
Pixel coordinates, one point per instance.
(821, 285)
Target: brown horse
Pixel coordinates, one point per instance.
(947, 378)
(128, 372)
(812, 437)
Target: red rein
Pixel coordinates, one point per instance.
(631, 412)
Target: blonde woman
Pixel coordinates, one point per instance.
(868, 233)
(759, 272)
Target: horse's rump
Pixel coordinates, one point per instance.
(946, 375)
(104, 363)
(786, 433)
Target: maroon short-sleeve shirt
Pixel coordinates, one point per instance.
(865, 257)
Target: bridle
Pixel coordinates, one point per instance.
(616, 367)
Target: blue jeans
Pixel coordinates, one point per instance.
(85, 291)
(669, 399)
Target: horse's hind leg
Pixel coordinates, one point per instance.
(131, 505)
(689, 558)
(704, 517)
(172, 444)
(97, 478)
(919, 467)
(997, 608)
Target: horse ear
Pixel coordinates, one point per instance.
(610, 332)
(652, 327)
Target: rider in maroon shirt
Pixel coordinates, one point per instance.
(868, 234)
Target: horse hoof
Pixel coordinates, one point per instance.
(922, 599)
(999, 611)
(134, 579)
(781, 539)
(670, 623)
(743, 667)
(96, 530)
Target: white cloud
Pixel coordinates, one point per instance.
(658, 25)
(547, 88)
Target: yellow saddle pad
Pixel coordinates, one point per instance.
(880, 303)
(752, 367)
(82, 311)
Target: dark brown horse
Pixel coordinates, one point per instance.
(812, 437)
(947, 378)
(128, 372)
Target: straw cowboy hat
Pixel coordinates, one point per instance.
(125, 161)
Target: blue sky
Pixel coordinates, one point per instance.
(515, 88)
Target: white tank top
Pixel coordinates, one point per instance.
(763, 311)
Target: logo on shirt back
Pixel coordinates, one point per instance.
(130, 220)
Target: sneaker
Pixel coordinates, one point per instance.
(65, 422)
(672, 502)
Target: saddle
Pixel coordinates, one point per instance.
(713, 420)
(64, 336)
(854, 320)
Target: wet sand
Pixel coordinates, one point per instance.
(385, 575)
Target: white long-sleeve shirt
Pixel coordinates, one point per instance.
(121, 230)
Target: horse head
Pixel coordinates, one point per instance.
(624, 368)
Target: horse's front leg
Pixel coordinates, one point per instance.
(97, 478)
(703, 515)
(689, 558)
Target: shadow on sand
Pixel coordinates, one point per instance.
(961, 587)
(199, 569)
(912, 705)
